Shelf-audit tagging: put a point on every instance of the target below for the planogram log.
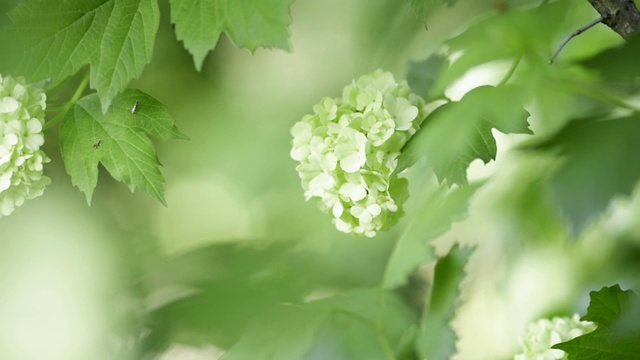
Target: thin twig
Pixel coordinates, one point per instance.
(76, 96)
(575, 33)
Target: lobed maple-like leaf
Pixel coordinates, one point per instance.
(249, 24)
(457, 133)
(617, 336)
(54, 39)
(118, 139)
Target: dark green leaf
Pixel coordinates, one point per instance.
(296, 331)
(118, 139)
(443, 207)
(596, 166)
(423, 75)
(54, 39)
(608, 308)
(620, 63)
(437, 339)
(457, 133)
(231, 286)
(249, 24)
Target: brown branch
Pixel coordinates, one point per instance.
(621, 16)
(574, 34)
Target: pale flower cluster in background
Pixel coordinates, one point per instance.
(348, 150)
(543, 334)
(21, 119)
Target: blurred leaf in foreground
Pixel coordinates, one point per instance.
(437, 339)
(443, 207)
(596, 165)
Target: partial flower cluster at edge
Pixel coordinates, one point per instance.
(348, 150)
(541, 335)
(21, 119)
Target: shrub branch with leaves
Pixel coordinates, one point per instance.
(352, 153)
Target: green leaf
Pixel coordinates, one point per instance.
(596, 165)
(249, 24)
(423, 75)
(254, 278)
(437, 339)
(118, 139)
(530, 32)
(457, 133)
(126, 47)
(609, 307)
(619, 63)
(54, 39)
(423, 8)
(434, 218)
(297, 331)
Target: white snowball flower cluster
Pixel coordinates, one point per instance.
(543, 334)
(21, 120)
(348, 150)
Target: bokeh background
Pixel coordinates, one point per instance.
(77, 281)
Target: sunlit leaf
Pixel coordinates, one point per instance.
(118, 139)
(437, 339)
(54, 39)
(249, 24)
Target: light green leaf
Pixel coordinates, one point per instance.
(436, 339)
(249, 24)
(443, 207)
(54, 39)
(457, 133)
(126, 47)
(118, 139)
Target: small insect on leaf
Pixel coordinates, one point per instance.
(135, 107)
(97, 144)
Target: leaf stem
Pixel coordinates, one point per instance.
(76, 96)
(511, 70)
(380, 326)
(382, 339)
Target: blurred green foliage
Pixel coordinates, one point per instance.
(238, 265)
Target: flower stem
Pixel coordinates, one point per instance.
(76, 96)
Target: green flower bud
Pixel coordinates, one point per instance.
(21, 119)
(348, 149)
